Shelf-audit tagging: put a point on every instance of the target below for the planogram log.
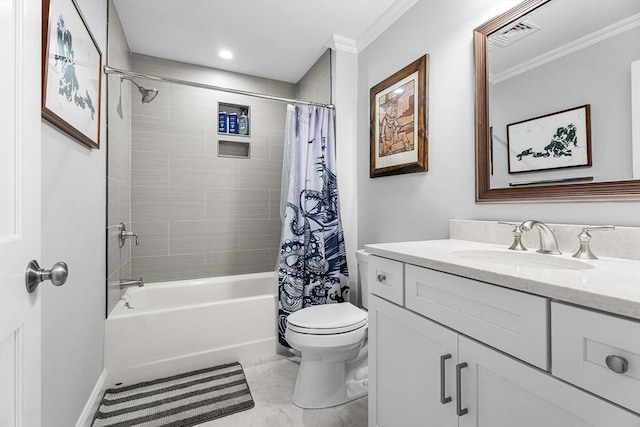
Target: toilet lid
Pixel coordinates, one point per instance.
(327, 319)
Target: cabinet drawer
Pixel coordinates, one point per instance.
(511, 321)
(385, 279)
(581, 341)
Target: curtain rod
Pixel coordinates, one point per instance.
(111, 70)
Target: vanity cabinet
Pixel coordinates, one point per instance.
(459, 352)
(405, 366)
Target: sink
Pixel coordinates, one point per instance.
(522, 259)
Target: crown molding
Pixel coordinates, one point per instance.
(569, 48)
(391, 15)
(344, 44)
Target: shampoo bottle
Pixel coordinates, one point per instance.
(222, 122)
(233, 122)
(243, 123)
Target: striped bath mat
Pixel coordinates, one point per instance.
(178, 401)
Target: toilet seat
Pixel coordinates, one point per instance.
(327, 319)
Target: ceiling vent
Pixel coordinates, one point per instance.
(513, 33)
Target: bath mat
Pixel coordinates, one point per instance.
(177, 401)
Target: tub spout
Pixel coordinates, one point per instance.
(127, 283)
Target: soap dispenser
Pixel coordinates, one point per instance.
(243, 123)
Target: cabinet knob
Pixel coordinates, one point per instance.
(382, 278)
(617, 364)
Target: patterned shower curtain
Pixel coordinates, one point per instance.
(312, 267)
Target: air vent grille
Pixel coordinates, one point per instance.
(513, 33)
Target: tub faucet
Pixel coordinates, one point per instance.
(548, 242)
(128, 283)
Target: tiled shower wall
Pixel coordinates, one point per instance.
(315, 85)
(118, 166)
(197, 214)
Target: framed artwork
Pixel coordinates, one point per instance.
(71, 72)
(398, 134)
(554, 141)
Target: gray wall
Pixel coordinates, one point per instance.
(197, 214)
(418, 206)
(119, 159)
(73, 220)
(315, 85)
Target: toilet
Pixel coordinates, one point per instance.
(332, 340)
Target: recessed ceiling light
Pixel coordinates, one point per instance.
(225, 54)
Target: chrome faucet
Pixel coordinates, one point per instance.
(128, 283)
(123, 234)
(548, 241)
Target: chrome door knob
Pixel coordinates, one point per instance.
(34, 275)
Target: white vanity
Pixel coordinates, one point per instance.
(466, 333)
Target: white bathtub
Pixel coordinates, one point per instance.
(184, 325)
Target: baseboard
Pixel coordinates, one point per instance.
(90, 408)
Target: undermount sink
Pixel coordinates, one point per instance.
(522, 259)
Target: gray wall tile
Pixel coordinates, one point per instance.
(240, 262)
(237, 204)
(274, 204)
(187, 201)
(259, 234)
(202, 171)
(163, 268)
(265, 174)
(149, 169)
(119, 159)
(172, 136)
(168, 68)
(154, 238)
(193, 104)
(166, 204)
(197, 237)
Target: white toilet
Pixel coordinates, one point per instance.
(332, 339)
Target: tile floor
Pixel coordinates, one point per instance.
(271, 386)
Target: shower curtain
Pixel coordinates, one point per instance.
(312, 266)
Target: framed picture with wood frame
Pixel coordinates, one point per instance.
(553, 141)
(398, 122)
(71, 72)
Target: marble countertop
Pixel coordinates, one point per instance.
(612, 285)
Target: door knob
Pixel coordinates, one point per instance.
(34, 275)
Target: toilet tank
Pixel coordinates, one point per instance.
(363, 283)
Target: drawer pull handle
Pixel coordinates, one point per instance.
(617, 364)
(459, 409)
(443, 399)
(381, 278)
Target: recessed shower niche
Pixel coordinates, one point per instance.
(234, 119)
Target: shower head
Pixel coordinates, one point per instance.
(148, 95)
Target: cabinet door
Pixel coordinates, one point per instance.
(405, 369)
(499, 391)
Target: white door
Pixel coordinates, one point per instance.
(411, 369)
(20, 30)
(499, 391)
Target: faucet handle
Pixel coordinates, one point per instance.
(124, 234)
(517, 236)
(585, 251)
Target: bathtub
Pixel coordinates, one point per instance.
(166, 328)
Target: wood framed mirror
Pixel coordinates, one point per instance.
(585, 183)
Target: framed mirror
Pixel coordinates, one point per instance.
(557, 97)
